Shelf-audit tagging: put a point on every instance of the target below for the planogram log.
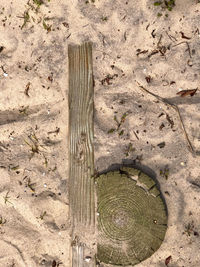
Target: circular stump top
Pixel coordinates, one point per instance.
(132, 217)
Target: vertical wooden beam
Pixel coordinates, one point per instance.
(81, 155)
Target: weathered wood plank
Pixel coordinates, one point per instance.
(81, 153)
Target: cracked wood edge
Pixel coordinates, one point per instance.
(81, 154)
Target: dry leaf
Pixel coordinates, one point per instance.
(167, 260)
(184, 93)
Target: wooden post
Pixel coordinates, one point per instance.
(81, 155)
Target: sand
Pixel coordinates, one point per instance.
(34, 221)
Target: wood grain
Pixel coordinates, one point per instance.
(81, 153)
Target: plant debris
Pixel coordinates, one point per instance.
(27, 89)
(2, 221)
(46, 26)
(45, 161)
(65, 24)
(121, 132)
(155, 51)
(165, 172)
(50, 77)
(129, 149)
(184, 37)
(119, 124)
(42, 215)
(75, 241)
(196, 184)
(153, 34)
(1, 48)
(34, 145)
(56, 264)
(167, 260)
(112, 130)
(161, 145)
(190, 229)
(148, 79)
(23, 110)
(122, 120)
(56, 131)
(161, 126)
(108, 78)
(26, 18)
(175, 107)
(184, 93)
(13, 168)
(171, 122)
(38, 2)
(158, 3)
(165, 4)
(159, 49)
(6, 198)
(188, 47)
(30, 185)
(139, 51)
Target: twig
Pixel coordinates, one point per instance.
(141, 52)
(175, 107)
(136, 135)
(184, 42)
(103, 38)
(6, 198)
(159, 41)
(171, 37)
(125, 36)
(188, 49)
(153, 53)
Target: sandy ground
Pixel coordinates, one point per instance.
(34, 222)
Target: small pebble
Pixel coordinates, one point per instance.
(87, 258)
(43, 262)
